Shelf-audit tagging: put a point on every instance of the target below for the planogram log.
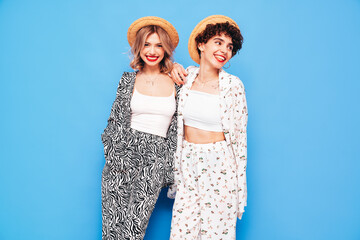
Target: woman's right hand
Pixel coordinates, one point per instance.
(178, 74)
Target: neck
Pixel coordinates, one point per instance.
(207, 72)
(151, 70)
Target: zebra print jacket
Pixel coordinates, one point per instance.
(120, 120)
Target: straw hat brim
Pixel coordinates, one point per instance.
(146, 21)
(200, 27)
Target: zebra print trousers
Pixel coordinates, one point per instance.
(130, 187)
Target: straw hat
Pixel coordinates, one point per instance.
(192, 46)
(146, 21)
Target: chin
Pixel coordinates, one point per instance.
(218, 65)
(152, 64)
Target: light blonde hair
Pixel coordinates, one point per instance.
(166, 63)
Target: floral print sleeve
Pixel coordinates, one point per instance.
(238, 138)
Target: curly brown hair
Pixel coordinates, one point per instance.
(217, 29)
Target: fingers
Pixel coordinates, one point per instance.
(176, 77)
(178, 74)
(182, 77)
(180, 69)
(183, 71)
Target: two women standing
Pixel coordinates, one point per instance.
(210, 159)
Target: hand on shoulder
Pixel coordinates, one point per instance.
(178, 74)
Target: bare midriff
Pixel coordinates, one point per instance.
(198, 136)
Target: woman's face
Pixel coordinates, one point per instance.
(217, 51)
(152, 52)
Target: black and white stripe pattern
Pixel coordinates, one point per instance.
(137, 166)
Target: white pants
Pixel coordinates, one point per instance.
(205, 202)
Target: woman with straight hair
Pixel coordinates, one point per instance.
(140, 138)
(211, 155)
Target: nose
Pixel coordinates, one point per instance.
(225, 49)
(152, 50)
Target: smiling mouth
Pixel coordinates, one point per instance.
(152, 58)
(220, 58)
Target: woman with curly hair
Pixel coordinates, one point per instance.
(140, 138)
(211, 156)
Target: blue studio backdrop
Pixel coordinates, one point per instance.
(60, 63)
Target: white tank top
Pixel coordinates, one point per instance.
(202, 111)
(152, 114)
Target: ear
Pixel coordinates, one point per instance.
(201, 47)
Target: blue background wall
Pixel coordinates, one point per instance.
(60, 62)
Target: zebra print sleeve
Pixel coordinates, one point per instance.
(117, 120)
(172, 131)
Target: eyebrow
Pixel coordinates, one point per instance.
(222, 40)
(155, 43)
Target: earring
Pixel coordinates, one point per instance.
(228, 66)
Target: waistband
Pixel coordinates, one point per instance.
(147, 136)
(205, 146)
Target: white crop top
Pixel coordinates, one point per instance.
(202, 110)
(152, 114)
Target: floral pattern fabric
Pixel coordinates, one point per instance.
(234, 117)
(205, 206)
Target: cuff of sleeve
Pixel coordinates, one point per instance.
(240, 214)
(241, 209)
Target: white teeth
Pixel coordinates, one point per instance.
(151, 57)
(221, 58)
